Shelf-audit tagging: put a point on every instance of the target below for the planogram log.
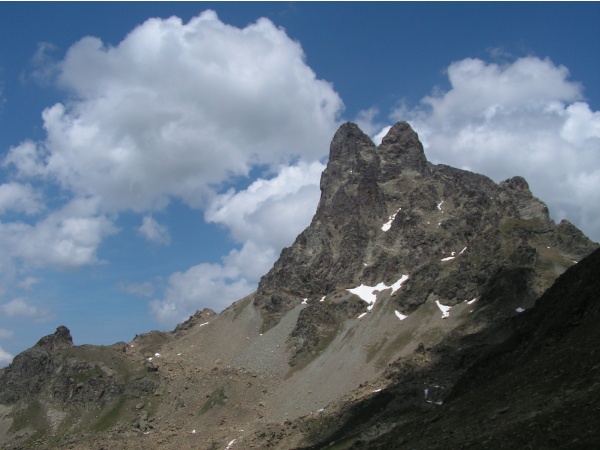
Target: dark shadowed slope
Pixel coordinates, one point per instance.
(537, 388)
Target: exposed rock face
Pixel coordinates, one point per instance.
(55, 380)
(60, 339)
(385, 211)
(198, 317)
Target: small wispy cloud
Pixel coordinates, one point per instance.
(5, 358)
(6, 334)
(43, 66)
(145, 289)
(154, 231)
(18, 307)
(29, 282)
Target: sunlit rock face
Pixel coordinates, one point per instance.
(385, 211)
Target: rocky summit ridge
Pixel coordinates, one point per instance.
(408, 292)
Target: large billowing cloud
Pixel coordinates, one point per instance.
(270, 212)
(175, 109)
(525, 118)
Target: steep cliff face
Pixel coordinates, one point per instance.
(385, 211)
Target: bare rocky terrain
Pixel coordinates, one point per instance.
(418, 310)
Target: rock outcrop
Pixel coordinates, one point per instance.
(385, 211)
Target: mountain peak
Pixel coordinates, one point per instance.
(386, 211)
(401, 150)
(347, 143)
(60, 339)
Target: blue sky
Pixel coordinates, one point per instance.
(156, 157)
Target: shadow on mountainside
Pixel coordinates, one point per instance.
(530, 381)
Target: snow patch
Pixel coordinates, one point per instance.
(157, 355)
(386, 226)
(398, 284)
(445, 309)
(304, 300)
(368, 293)
(453, 254)
(439, 403)
(323, 298)
(519, 309)
(470, 302)
(400, 315)
(439, 206)
(362, 315)
(230, 444)
(377, 390)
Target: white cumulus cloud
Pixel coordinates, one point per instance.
(20, 198)
(204, 284)
(176, 108)
(271, 212)
(524, 118)
(174, 111)
(65, 239)
(263, 218)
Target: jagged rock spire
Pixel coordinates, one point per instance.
(401, 151)
(60, 339)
